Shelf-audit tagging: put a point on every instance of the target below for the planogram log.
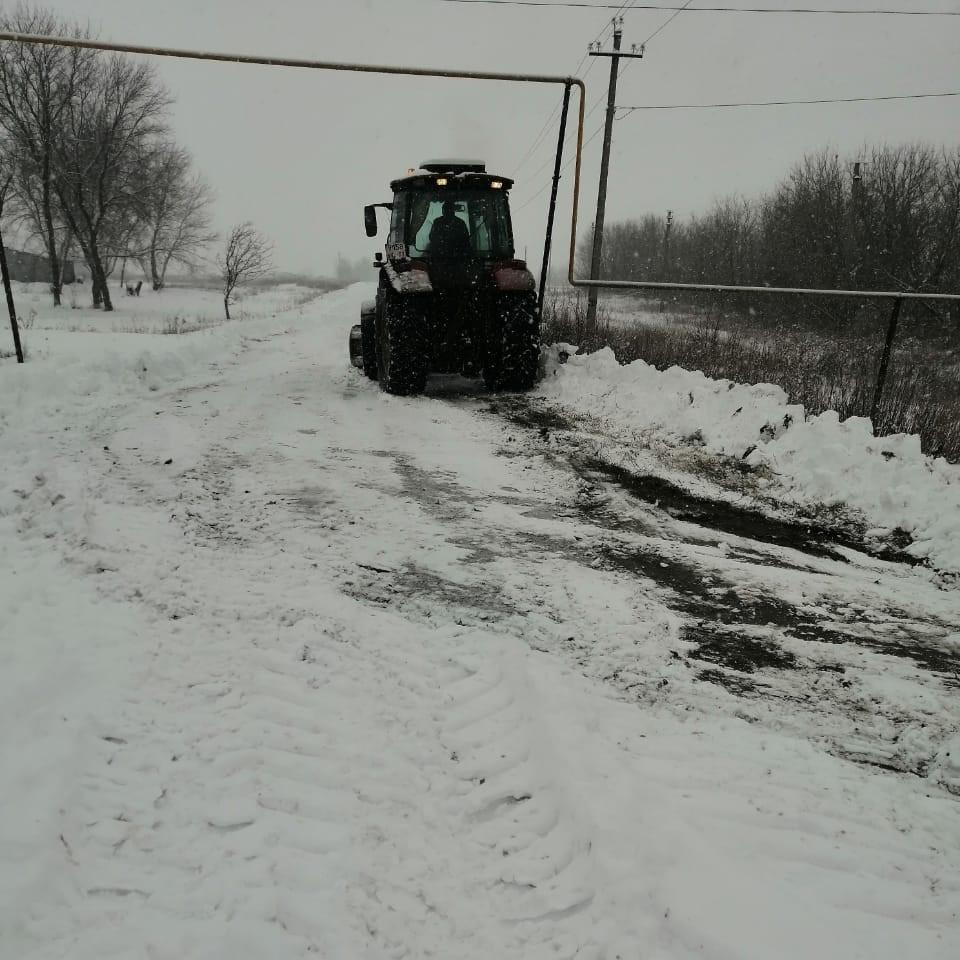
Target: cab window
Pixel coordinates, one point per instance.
(420, 244)
(397, 217)
(485, 214)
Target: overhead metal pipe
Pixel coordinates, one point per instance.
(301, 63)
(790, 291)
(263, 61)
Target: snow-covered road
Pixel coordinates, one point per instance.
(301, 669)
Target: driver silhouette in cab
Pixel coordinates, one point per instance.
(449, 237)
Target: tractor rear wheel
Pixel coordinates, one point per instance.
(368, 343)
(513, 344)
(402, 366)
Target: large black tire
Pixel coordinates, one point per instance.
(401, 347)
(512, 343)
(368, 343)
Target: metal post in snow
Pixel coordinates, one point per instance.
(553, 201)
(10, 305)
(884, 363)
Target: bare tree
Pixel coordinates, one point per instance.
(887, 217)
(91, 162)
(98, 176)
(174, 210)
(37, 83)
(246, 257)
(944, 258)
(123, 238)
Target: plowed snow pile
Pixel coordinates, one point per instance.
(815, 460)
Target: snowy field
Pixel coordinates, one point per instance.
(293, 668)
(174, 309)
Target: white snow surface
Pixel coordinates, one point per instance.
(241, 717)
(816, 460)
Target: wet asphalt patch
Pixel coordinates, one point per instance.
(733, 649)
(735, 633)
(715, 608)
(723, 617)
(715, 514)
(810, 664)
(808, 535)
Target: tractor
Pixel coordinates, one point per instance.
(452, 297)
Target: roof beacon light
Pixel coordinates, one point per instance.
(496, 184)
(441, 181)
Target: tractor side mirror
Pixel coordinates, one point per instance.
(370, 219)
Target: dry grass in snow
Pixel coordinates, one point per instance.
(922, 393)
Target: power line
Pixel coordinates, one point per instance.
(539, 138)
(676, 11)
(842, 11)
(621, 9)
(758, 103)
(570, 131)
(666, 23)
(784, 103)
(586, 143)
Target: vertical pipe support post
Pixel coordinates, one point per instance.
(548, 240)
(884, 363)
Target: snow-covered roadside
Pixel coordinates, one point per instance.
(814, 461)
(70, 656)
(67, 655)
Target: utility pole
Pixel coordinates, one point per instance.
(605, 158)
(857, 187)
(859, 238)
(665, 267)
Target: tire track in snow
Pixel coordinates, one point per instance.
(243, 787)
(540, 862)
(313, 806)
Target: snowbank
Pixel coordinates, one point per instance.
(77, 355)
(100, 362)
(816, 460)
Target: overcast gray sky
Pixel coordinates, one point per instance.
(300, 152)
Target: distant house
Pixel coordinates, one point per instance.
(32, 268)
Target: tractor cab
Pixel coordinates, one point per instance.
(447, 211)
(451, 297)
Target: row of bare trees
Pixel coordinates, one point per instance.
(94, 168)
(888, 218)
